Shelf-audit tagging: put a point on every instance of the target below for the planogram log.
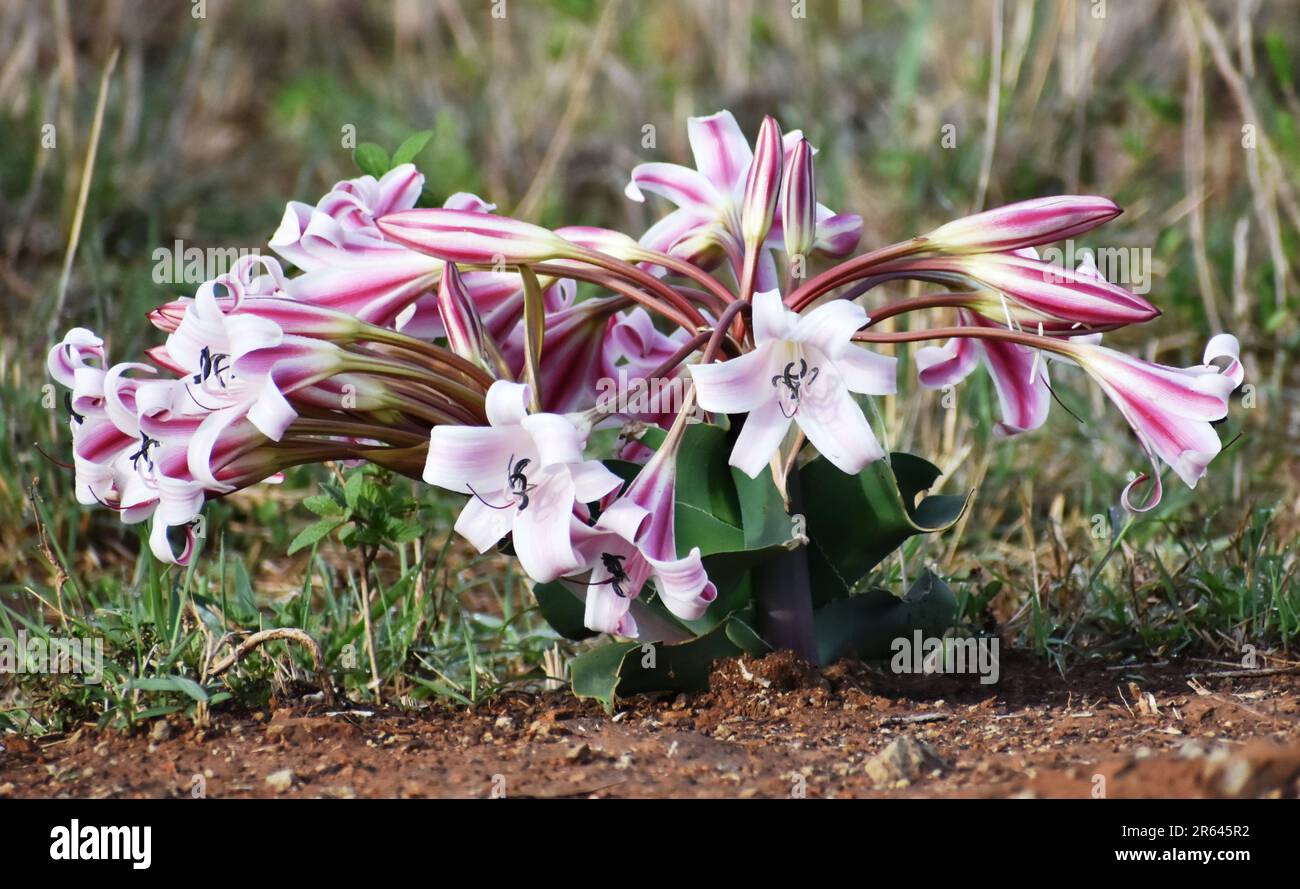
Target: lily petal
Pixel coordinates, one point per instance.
(542, 531)
(946, 365)
(722, 152)
(686, 188)
(735, 386)
(836, 427)
(764, 430)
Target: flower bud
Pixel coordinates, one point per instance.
(1024, 224)
(762, 184)
(473, 238)
(799, 201)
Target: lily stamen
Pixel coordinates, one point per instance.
(796, 384)
(210, 365)
(146, 442)
(618, 574)
(67, 402)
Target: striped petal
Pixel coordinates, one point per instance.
(722, 153)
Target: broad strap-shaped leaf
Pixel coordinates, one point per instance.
(627, 668)
(866, 625)
(855, 522)
(736, 521)
(708, 508)
(562, 609)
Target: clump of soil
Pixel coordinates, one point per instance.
(780, 670)
(773, 726)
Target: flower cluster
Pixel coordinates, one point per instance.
(449, 344)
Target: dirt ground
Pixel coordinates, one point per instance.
(770, 727)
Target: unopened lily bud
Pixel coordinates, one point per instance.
(762, 184)
(1024, 224)
(1051, 290)
(473, 238)
(460, 318)
(799, 201)
(604, 240)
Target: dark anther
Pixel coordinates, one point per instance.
(795, 383)
(143, 454)
(67, 402)
(516, 482)
(211, 365)
(614, 565)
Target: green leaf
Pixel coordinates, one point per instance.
(736, 521)
(413, 145)
(854, 523)
(313, 533)
(399, 531)
(627, 668)
(707, 512)
(323, 505)
(442, 690)
(865, 626)
(595, 673)
(171, 683)
(245, 598)
(370, 159)
(562, 609)
(353, 488)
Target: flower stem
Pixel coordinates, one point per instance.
(914, 304)
(1048, 343)
(733, 312)
(649, 282)
(849, 271)
(688, 319)
(747, 269)
(783, 594)
(686, 270)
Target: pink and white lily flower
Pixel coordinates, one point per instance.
(706, 225)
(634, 542)
(1019, 373)
(341, 227)
(350, 265)
(633, 350)
(525, 473)
(803, 370)
(1172, 410)
(78, 364)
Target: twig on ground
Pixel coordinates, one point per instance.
(291, 634)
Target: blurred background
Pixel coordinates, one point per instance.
(1183, 111)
